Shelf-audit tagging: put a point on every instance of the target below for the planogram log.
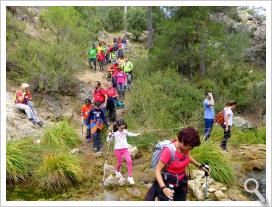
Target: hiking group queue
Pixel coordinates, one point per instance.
(170, 159)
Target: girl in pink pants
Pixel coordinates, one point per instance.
(121, 147)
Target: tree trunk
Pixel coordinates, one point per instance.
(150, 28)
(125, 21)
(202, 58)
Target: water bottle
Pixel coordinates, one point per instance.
(171, 187)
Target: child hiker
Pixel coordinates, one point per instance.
(85, 110)
(120, 134)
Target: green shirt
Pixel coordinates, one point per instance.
(92, 53)
(128, 66)
(105, 49)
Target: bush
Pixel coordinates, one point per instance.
(21, 158)
(59, 171)
(209, 153)
(136, 20)
(61, 136)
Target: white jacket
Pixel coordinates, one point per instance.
(120, 138)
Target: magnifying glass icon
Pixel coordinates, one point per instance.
(255, 189)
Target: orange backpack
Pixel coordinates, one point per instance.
(219, 118)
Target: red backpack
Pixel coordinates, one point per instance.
(219, 118)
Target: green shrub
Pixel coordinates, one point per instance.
(21, 158)
(60, 136)
(59, 171)
(212, 155)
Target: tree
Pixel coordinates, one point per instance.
(150, 28)
(137, 21)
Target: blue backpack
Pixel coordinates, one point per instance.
(120, 104)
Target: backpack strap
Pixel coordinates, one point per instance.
(172, 149)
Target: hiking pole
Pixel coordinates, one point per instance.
(206, 167)
(106, 162)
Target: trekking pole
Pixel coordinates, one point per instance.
(106, 161)
(206, 177)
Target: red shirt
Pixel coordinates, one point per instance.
(85, 110)
(112, 92)
(177, 166)
(99, 95)
(20, 93)
(100, 56)
(109, 50)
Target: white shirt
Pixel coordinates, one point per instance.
(121, 138)
(228, 112)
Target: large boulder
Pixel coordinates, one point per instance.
(114, 181)
(242, 123)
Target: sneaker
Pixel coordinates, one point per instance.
(40, 123)
(130, 180)
(118, 174)
(33, 121)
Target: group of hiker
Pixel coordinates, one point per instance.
(104, 53)
(224, 118)
(170, 159)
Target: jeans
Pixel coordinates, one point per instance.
(28, 110)
(227, 135)
(111, 108)
(88, 134)
(92, 62)
(208, 128)
(97, 140)
(119, 153)
(129, 80)
(121, 89)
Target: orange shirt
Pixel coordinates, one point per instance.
(85, 110)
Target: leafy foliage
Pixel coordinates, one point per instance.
(137, 22)
(59, 171)
(60, 136)
(21, 158)
(212, 155)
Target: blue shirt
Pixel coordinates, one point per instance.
(208, 110)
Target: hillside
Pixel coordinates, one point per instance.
(166, 95)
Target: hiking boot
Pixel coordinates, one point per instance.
(118, 174)
(40, 123)
(130, 180)
(33, 121)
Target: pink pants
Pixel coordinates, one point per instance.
(123, 152)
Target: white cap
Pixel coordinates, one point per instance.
(24, 85)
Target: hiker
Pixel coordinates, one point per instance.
(128, 66)
(109, 49)
(85, 110)
(121, 82)
(111, 103)
(172, 170)
(208, 104)
(228, 121)
(113, 69)
(100, 58)
(92, 57)
(22, 102)
(124, 43)
(105, 49)
(120, 53)
(113, 59)
(97, 120)
(120, 134)
(99, 47)
(100, 95)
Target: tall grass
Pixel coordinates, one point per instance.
(21, 158)
(60, 136)
(212, 155)
(59, 171)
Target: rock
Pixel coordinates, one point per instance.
(211, 190)
(224, 188)
(111, 180)
(258, 164)
(197, 173)
(54, 106)
(75, 151)
(133, 150)
(98, 154)
(220, 195)
(135, 192)
(108, 169)
(253, 152)
(242, 123)
(195, 187)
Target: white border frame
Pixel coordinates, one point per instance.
(265, 4)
